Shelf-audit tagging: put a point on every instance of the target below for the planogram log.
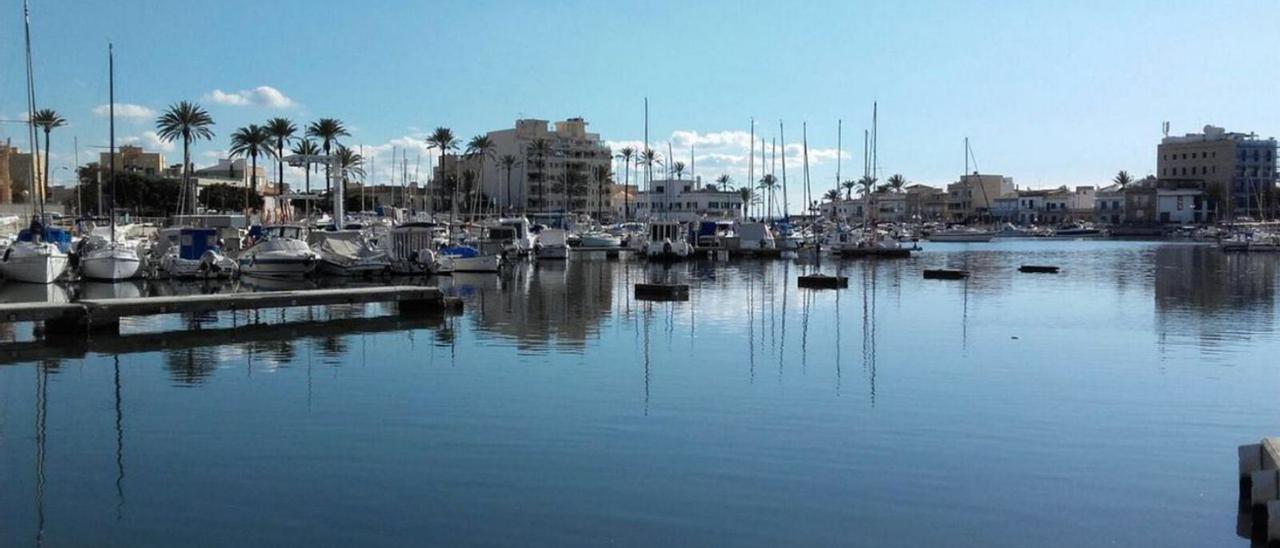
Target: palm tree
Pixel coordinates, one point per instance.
(848, 187)
(767, 185)
(625, 154)
(351, 162)
(539, 149)
(47, 119)
(678, 167)
(747, 195)
(866, 185)
(601, 174)
(508, 162)
(327, 130)
(443, 139)
(468, 187)
(1123, 179)
(251, 141)
(481, 146)
(307, 147)
(723, 180)
(189, 122)
(282, 130)
(897, 182)
(832, 195)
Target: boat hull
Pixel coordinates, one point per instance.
(979, 237)
(111, 263)
(40, 265)
(483, 263)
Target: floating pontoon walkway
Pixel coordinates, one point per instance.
(103, 315)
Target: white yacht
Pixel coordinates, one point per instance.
(411, 247)
(667, 241)
(278, 251)
(962, 234)
(553, 244)
(38, 256)
(188, 253)
(523, 240)
(463, 258)
(756, 237)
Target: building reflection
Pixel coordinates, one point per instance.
(1204, 293)
(545, 302)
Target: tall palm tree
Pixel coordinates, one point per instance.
(601, 174)
(307, 147)
(768, 184)
(444, 140)
(1123, 179)
(468, 188)
(187, 121)
(251, 141)
(47, 119)
(482, 147)
(509, 162)
(866, 185)
(352, 165)
(327, 130)
(897, 182)
(282, 130)
(747, 195)
(678, 167)
(539, 149)
(848, 187)
(832, 195)
(724, 180)
(626, 154)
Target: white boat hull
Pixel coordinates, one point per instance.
(35, 263)
(483, 263)
(975, 237)
(111, 263)
(356, 268)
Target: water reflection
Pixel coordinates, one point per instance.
(1212, 296)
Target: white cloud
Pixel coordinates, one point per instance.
(125, 110)
(150, 141)
(261, 96)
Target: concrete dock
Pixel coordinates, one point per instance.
(1260, 485)
(103, 315)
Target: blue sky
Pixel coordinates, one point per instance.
(1048, 92)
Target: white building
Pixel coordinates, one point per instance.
(1108, 205)
(537, 181)
(1182, 206)
(234, 173)
(687, 200)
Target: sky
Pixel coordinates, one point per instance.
(1048, 93)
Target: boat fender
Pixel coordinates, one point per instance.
(666, 248)
(7, 252)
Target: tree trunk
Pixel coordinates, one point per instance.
(44, 184)
(186, 174)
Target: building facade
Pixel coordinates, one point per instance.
(1242, 166)
(19, 181)
(235, 173)
(572, 173)
(973, 196)
(132, 159)
(687, 200)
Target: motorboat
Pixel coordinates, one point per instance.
(411, 246)
(39, 255)
(962, 234)
(188, 253)
(523, 238)
(715, 233)
(464, 258)
(1077, 230)
(869, 243)
(756, 237)
(552, 244)
(277, 251)
(667, 241)
(597, 239)
(348, 253)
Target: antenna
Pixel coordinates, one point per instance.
(1166, 129)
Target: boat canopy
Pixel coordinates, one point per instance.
(193, 242)
(463, 251)
(40, 233)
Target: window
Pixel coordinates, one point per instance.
(1193, 155)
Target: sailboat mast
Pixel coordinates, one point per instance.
(804, 146)
(782, 136)
(111, 109)
(31, 113)
(751, 162)
(839, 150)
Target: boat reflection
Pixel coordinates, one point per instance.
(18, 292)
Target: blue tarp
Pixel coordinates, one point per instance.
(463, 251)
(193, 242)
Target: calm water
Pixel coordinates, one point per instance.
(1100, 406)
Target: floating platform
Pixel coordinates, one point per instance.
(103, 315)
(1260, 487)
(662, 292)
(945, 274)
(1038, 269)
(822, 281)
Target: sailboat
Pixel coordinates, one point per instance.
(111, 259)
(40, 254)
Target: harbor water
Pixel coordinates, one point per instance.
(1098, 406)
